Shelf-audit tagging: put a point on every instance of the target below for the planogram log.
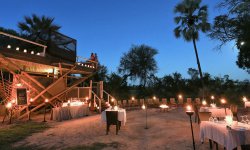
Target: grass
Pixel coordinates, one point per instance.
(16, 132)
(95, 146)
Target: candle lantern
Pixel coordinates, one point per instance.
(190, 112)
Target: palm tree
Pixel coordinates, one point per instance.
(139, 63)
(192, 19)
(38, 28)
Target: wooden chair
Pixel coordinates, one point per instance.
(198, 101)
(150, 102)
(119, 103)
(204, 116)
(234, 110)
(112, 119)
(172, 102)
(180, 101)
(156, 101)
(189, 101)
(163, 101)
(141, 102)
(124, 103)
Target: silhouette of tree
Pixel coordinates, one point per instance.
(191, 20)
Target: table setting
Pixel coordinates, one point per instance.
(121, 114)
(231, 134)
(70, 110)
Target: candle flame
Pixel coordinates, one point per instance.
(189, 108)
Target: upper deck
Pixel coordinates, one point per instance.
(58, 54)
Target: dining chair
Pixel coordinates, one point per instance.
(112, 119)
(189, 100)
(172, 102)
(204, 116)
(119, 102)
(198, 101)
(180, 101)
(163, 101)
(156, 101)
(141, 102)
(196, 114)
(234, 110)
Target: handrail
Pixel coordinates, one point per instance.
(108, 95)
(25, 40)
(95, 96)
(22, 39)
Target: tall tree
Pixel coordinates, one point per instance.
(37, 28)
(191, 20)
(234, 26)
(139, 63)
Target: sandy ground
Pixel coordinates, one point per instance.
(167, 131)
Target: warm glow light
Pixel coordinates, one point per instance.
(25, 50)
(242, 43)
(68, 101)
(223, 101)
(116, 108)
(244, 99)
(9, 105)
(46, 100)
(154, 98)
(212, 97)
(98, 107)
(189, 108)
(204, 103)
(112, 100)
(38, 54)
(19, 84)
(180, 96)
(143, 106)
(9, 46)
(17, 48)
(164, 106)
(133, 98)
(87, 98)
(13, 101)
(32, 52)
(31, 100)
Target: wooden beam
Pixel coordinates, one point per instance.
(51, 85)
(51, 99)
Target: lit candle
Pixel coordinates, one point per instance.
(189, 108)
(204, 103)
(180, 96)
(133, 98)
(13, 101)
(143, 106)
(212, 97)
(112, 100)
(46, 100)
(154, 97)
(31, 99)
(9, 105)
(244, 99)
(223, 101)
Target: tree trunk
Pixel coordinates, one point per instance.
(199, 66)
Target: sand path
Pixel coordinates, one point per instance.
(167, 131)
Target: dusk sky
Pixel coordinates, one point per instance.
(110, 27)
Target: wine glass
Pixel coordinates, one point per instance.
(246, 119)
(242, 119)
(211, 119)
(216, 119)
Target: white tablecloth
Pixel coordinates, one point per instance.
(69, 112)
(121, 115)
(247, 104)
(219, 133)
(216, 112)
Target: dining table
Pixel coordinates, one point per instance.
(122, 116)
(216, 111)
(230, 137)
(69, 112)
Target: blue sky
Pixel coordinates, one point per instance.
(110, 27)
